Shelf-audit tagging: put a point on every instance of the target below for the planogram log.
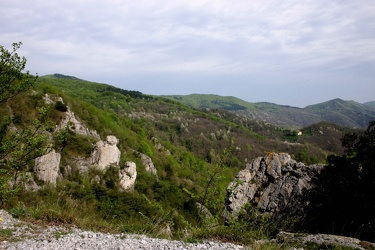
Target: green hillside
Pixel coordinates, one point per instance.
(55, 129)
(212, 101)
(345, 113)
(370, 104)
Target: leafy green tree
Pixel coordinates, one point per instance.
(343, 201)
(22, 144)
(12, 80)
(212, 191)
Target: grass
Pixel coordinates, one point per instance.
(6, 234)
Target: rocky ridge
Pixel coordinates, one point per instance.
(272, 183)
(105, 154)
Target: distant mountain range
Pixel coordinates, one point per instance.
(346, 113)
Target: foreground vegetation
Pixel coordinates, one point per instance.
(200, 153)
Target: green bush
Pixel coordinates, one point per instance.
(61, 106)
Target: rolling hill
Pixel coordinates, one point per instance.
(345, 113)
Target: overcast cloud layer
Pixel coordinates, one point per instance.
(287, 52)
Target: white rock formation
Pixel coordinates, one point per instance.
(127, 176)
(106, 153)
(75, 125)
(69, 120)
(149, 165)
(47, 167)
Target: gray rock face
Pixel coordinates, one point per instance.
(27, 181)
(106, 153)
(149, 165)
(127, 176)
(47, 167)
(69, 120)
(272, 184)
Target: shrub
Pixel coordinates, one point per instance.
(61, 106)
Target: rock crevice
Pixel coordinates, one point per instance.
(273, 183)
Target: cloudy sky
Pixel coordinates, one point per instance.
(296, 52)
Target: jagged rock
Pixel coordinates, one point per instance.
(47, 167)
(67, 171)
(128, 176)
(323, 240)
(69, 120)
(205, 215)
(149, 165)
(272, 184)
(26, 180)
(106, 153)
(83, 164)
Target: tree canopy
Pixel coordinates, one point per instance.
(343, 201)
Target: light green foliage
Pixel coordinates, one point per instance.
(24, 145)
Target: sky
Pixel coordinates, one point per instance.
(290, 52)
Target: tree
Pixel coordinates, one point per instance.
(27, 141)
(343, 201)
(12, 80)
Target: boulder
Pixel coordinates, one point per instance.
(47, 167)
(106, 153)
(329, 241)
(128, 176)
(273, 183)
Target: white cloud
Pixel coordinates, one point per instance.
(248, 38)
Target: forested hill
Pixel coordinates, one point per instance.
(345, 113)
(106, 159)
(203, 132)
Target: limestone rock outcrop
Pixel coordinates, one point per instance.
(26, 180)
(69, 119)
(106, 153)
(272, 183)
(149, 165)
(127, 176)
(47, 167)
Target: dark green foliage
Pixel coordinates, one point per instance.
(73, 144)
(65, 76)
(61, 106)
(134, 94)
(344, 200)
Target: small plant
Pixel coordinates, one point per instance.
(17, 212)
(60, 234)
(6, 234)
